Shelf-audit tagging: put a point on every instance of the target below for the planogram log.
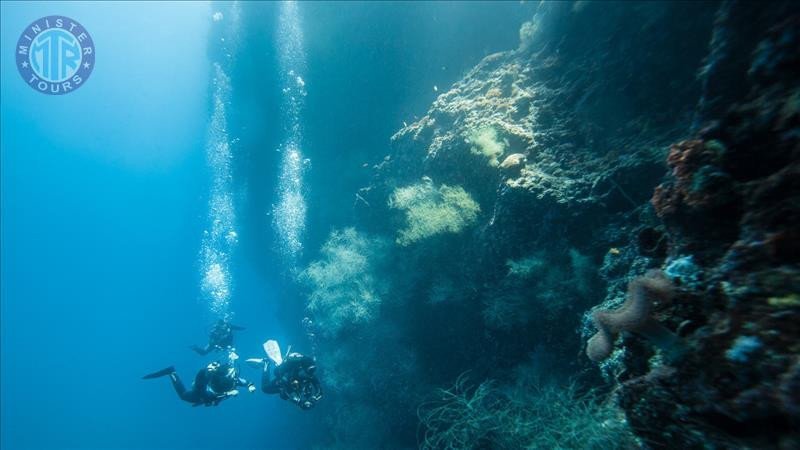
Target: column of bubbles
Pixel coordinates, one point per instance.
(220, 238)
(289, 213)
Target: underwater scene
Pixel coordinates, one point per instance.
(400, 225)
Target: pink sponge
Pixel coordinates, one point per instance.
(634, 316)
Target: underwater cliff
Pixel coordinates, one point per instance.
(616, 139)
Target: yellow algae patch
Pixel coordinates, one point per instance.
(787, 301)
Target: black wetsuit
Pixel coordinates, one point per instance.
(220, 338)
(210, 386)
(294, 380)
(226, 378)
(199, 394)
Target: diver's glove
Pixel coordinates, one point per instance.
(251, 388)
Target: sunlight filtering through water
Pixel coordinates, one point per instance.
(290, 211)
(528, 225)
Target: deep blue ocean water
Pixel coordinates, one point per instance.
(105, 198)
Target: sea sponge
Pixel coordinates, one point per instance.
(634, 316)
(513, 164)
(513, 161)
(431, 211)
(699, 182)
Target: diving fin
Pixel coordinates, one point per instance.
(160, 373)
(273, 351)
(255, 362)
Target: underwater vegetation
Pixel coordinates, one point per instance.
(619, 193)
(486, 144)
(525, 414)
(541, 284)
(587, 240)
(431, 211)
(344, 291)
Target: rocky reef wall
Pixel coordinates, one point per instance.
(618, 138)
(729, 209)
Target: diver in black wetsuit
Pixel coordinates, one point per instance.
(212, 384)
(219, 338)
(226, 379)
(295, 380)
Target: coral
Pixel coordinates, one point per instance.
(513, 164)
(484, 142)
(728, 206)
(513, 161)
(525, 414)
(522, 291)
(685, 270)
(786, 301)
(634, 316)
(699, 181)
(344, 287)
(743, 348)
(540, 284)
(526, 266)
(527, 33)
(731, 204)
(431, 211)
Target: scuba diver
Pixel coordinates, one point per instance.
(226, 377)
(294, 378)
(212, 384)
(219, 338)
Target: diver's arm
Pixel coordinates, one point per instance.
(269, 383)
(220, 397)
(317, 389)
(201, 350)
(243, 382)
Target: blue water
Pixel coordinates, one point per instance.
(105, 197)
